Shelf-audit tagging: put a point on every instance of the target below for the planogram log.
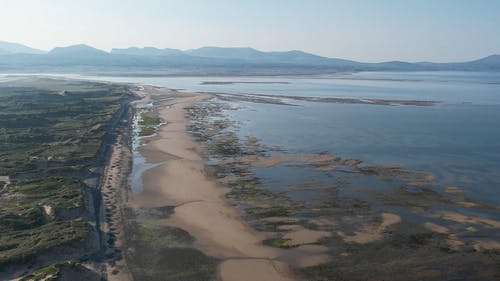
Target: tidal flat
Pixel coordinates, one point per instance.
(217, 185)
(323, 189)
(340, 218)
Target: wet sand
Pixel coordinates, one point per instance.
(200, 202)
(201, 208)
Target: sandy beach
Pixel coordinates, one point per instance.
(201, 207)
(184, 195)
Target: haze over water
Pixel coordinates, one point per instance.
(457, 139)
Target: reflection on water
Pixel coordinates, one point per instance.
(457, 143)
(457, 140)
(139, 163)
(450, 87)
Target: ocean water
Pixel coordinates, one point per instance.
(448, 87)
(457, 140)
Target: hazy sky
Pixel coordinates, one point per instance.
(371, 30)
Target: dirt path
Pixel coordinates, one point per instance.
(114, 198)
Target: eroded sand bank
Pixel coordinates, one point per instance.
(202, 208)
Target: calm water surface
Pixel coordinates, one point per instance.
(458, 139)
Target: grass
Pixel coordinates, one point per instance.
(40, 128)
(58, 271)
(148, 124)
(49, 273)
(57, 191)
(24, 210)
(48, 142)
(279, 243)
(24, 230)
(24, 245)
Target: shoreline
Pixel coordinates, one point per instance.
(180, 179)
(204, 210)
(261, 240)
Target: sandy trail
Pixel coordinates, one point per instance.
(203, 210)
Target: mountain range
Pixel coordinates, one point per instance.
(7, 48)
(204, 61)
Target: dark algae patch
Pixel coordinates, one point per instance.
(54, 134)
(157, 252)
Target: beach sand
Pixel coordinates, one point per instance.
(202, 208)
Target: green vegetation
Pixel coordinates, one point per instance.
(42, 127)
(279, 243)
(63, 271)
(58, 192)
(148, 124)
(22, 204)
(51, 133)
(47, 273)
(24, 245)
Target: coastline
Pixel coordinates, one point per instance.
(181, 180)
(246, 233)
(207, 210)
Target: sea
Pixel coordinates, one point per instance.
(457, 139)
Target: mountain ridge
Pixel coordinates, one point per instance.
(79, 49)
(16, 48)
(213, 61)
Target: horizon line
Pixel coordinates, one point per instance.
(244, 47)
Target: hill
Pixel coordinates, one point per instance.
(207, 61)
(16, 48)
(146, 51)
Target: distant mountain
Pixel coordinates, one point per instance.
(146, 51)
(76, 51)
(15, 48)
(250, 54)
(490, 62)
(229, 53)
(205, 61)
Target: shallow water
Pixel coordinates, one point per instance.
(140, 165)
(458, 139)
(456, 142)
(459, 144)
(449, 87)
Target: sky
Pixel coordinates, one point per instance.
(369, 30)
